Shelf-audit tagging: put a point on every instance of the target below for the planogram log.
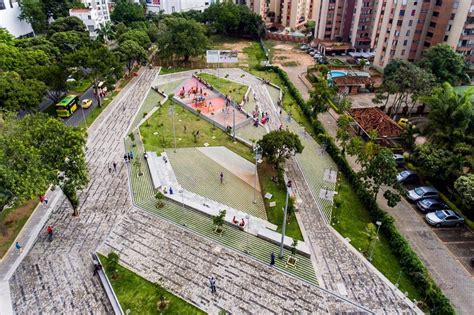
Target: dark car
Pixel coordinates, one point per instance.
(422, 192)
(399, 159)
(431, 204)
(407, 176)
(444, 218)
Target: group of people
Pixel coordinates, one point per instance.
(260, 116)
(128, 157)
(241, 224)
(113, 167)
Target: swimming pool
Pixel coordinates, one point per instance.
(336, 73)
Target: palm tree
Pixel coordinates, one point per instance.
(451, 119)
(106, 33)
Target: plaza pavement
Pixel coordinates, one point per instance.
(57, 277)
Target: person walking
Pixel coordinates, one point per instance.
(125, 158)
(222, 178)
(272, 259)
(115, 166)
(212, 282)
(19, 247)
(110, 170)
(50, 233)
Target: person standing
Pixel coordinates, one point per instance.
(222, 178)
(19, 247)
(115, 166)
(272, 259)
(50, 233)
(212, 282)
(110, 170)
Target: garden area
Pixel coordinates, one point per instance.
(141, 296)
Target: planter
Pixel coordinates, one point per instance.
(219, 230)
(291, 261)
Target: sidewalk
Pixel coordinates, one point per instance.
(27, 237)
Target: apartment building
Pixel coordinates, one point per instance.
(171, 6)
(396, 28)
(94, 16)
(288, 13)
(9, 19)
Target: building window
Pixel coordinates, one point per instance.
(413, 12)
(435, 13)
(432, 24)
(408, 33)
(410, 23)
(405, 42)
(2, 5)
(439, 2)
(402, 12)
(427, 44)
(446, 38)
(88, 17)
(452, 16)
(455, 4)
(403, 52)
(429, 34)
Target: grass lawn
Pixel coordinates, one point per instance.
(13, 220)
(140, 296)
(275, 214)
(186, 122)
(79, 87)
(350, 220)
(226, 87)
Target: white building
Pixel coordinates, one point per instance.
(94, 17)
(9, 19)
(170, 6)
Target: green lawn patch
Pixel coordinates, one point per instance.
(235, 90)
(350, 220)
(12, 221)
(157, 132)
(141, 296)
(275, 214)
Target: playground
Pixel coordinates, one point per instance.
(202, 98)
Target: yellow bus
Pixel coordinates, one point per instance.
(67, 106)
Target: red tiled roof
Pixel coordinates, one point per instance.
(352, 80)
(374, 119)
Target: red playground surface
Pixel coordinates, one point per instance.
(197, 96)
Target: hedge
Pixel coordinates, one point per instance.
(409, 261)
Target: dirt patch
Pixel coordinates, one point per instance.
(12, 222)
(288, 55)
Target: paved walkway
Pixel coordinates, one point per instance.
(57, 277)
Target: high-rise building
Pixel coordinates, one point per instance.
(9, 19)
(396, 28)
(95, 15)
(288, 13)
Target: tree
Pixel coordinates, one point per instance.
(112, 263)
(65, 24)
(99, 62)
(464, 186)
(32, 12)
(406, 82)
(69, 41)
(39, 43)
(55, 77)
(18, 94)
(140, 36)
(309, 29)
(279, 145)
(130, 52)
(438, 163)
(321, 96)
(38, 150)
(445, 63)
(6, 37)
(127, 12)
(26, 62)
(379, 170)
(371, 233)
(218, 220)
(106, 33)
(451, 119)
(181, 38)
(343, 124)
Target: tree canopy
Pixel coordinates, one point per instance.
(445, 63)
(37, 150)
(140, 36)
(464, 185)
(17, 94)
(181, 38)
(65, 24)
(279, 145)
(127, 12)
(131, 52)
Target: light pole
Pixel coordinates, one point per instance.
(248, 231)
(283, 228)
(379, 224)
(257, 157)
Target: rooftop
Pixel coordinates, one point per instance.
(374, 119)
(352, 80)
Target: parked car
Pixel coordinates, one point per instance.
(304, 47)
(422, 192)
(431, 204)
(407, 176)
(444, 218)
(312, 53)
(86, 103)
(399, 159)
